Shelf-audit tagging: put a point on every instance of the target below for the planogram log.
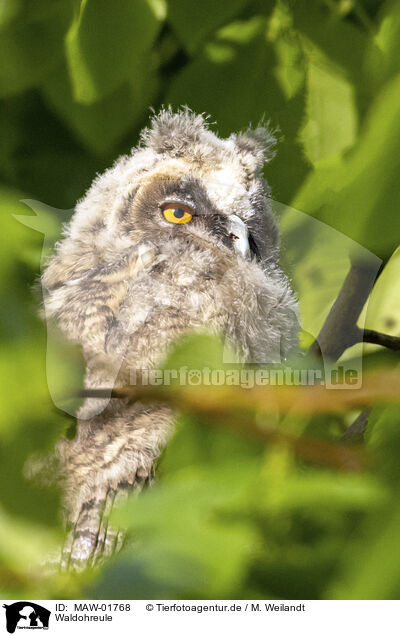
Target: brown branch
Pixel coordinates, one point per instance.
(340, 329)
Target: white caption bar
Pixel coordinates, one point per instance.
(306, 618)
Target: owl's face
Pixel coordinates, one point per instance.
(184, 186)
(170, 206)
(185, 182)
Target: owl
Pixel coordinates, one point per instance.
(178, 236)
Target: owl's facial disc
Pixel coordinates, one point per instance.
(240, 235)
(165, 207)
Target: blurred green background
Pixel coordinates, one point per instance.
(230, 516)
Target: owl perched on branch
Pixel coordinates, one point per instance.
(177, 236)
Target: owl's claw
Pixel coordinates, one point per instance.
(92, 539)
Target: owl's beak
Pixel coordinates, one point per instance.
(240, 235)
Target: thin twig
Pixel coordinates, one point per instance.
(355, 432)
(233, 409)
(357, 335)
(376, 337)
(377, 387)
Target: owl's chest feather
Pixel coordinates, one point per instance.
(177, 291)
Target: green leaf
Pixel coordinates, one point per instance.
(29, 50)
(27, 423)
(222, 86)
(331, 123)
(9, 9)
(344, 44)
(196, 351)
(359, 195)
(306, 492)
(193, 21)
(387, 39)
(383, 309)
(186, 542)
(100, 125)
(109, 44)
(219, 82)
(383, 437)
(372, 567)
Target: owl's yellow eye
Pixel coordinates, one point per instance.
(177, 213)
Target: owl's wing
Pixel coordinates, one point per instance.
(85, 307)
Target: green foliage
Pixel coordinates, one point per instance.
(365, 180)
(106, 48)
(232, 515)
(194, 21)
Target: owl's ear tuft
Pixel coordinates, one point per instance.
(258, 145)
(174, 133)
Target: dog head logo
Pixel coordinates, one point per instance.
(26, 615)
